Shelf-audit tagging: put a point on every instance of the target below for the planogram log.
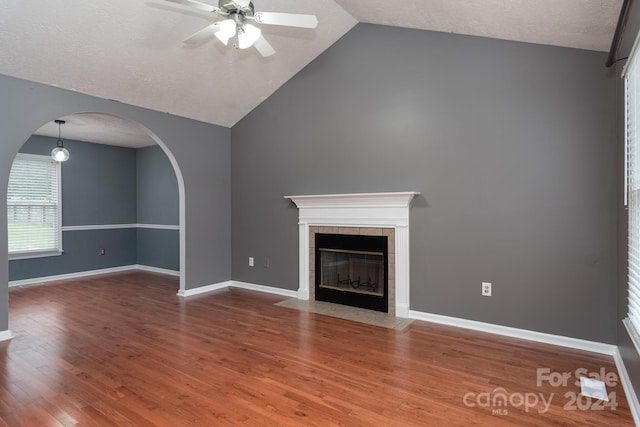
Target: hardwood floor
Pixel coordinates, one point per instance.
(125, 350)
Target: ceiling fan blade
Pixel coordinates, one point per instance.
(203, 34)
(243, 3)
(287, 19)
(195, 4)
(263, 46)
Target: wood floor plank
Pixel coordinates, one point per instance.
(125, 350)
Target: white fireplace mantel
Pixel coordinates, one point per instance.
(358, 210)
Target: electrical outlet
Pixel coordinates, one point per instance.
(486, 289)
(102, 251)
(250, 261)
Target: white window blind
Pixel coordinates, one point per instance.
(34, 207)
(632, 194)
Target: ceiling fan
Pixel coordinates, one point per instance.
(237, 25)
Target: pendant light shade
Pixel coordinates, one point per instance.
(60, 154)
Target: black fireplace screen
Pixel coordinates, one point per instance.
(352, 270)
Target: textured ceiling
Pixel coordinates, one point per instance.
(582, 24)
(99, 129)
(131, 50)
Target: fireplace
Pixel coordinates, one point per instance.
(375, 214)
(352, 270)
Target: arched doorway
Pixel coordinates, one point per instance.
(201, 150)
(104, 146)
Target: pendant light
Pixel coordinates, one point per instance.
(60, 154)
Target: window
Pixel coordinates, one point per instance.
(631, 76)
(34, 207)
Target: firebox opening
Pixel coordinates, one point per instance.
(352, 270)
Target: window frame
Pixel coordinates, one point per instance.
(48, 252)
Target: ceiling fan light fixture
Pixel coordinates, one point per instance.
(248, 35)
(235, 26)
(227, 30)
(59, 153)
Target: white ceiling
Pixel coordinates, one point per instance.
(99, 129)
(582, 24)
(131, 50)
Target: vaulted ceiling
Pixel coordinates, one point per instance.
(132, 50)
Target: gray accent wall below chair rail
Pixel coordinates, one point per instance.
(511, 146)
(158, 248)
(81, 253)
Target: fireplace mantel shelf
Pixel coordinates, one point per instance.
(358, 210)
(355, 200)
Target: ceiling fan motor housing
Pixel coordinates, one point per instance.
(230, 7)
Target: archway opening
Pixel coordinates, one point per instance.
(121, 184)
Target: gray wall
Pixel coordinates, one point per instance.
(98, 181)
(157, 201)
(98, 184)
(510, 144)
(157, 204)
(201, 152)
(158, 248)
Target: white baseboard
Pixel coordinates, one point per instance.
(79, 274)
(157, 270)
(627, 385)
(263, 288)
(203, 289)
(182, 292)
(6, 335)
(237, 284)
(579, 344)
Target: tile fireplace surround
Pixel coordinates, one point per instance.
(365, 213)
